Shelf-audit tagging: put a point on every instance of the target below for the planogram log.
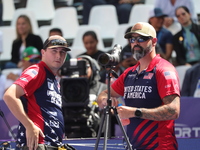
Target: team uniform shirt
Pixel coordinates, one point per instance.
(146, 90)
(42, 103)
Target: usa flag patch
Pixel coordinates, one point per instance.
(169, 75)
(31, 72)
(148, 76)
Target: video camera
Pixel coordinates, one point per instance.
(74, 84)
(109, 60)
(81, 118)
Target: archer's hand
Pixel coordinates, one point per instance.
(32, 136)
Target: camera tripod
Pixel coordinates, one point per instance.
(106, 117)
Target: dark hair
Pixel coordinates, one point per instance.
(91, 33)
(94, 66)
(56, 30)
(184, 7)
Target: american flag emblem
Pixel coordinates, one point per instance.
(24, 79)
(31, 73)
(148, 76)
(169, 75)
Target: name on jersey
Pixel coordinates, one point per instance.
(136, 91)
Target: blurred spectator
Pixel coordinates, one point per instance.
(126, 59)
(191, 82)
(186, 42)
(90, 42)
(30, 56)
(25, 38)
(123, 8)
(55, 31)
(168, 7)
(164, 36)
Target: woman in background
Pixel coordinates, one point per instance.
(186, 42)
(25, 38)
(90, 42)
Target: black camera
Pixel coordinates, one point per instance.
(112, 59)
(74, 68)
(74, 87)
(80, 115)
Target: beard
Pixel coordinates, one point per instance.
(138, 54)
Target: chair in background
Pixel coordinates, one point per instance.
(119, 35)
(104, 16)
(174, 28)
(78, 46)
(30, 14)
(9, 70)
(43, 9)
(151, 2)
(8, 10)
(66, 19)
(181, 72)
(196, 7)
(140, 13)
(9, 34)
(44, 32)
(68, 2)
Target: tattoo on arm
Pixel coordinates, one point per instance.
(167, 111)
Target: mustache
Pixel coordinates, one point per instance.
(137, 46)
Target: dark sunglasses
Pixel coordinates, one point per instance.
(140, 39)
(55, 43)
(182, 14)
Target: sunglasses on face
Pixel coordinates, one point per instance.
(55, 43)
(182, 14)
(140, 39)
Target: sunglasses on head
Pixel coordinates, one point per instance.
(140, 39)
(55, 43)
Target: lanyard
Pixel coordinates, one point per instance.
(190, 45)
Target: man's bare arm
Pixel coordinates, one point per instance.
(12, 99)
(168, 111)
